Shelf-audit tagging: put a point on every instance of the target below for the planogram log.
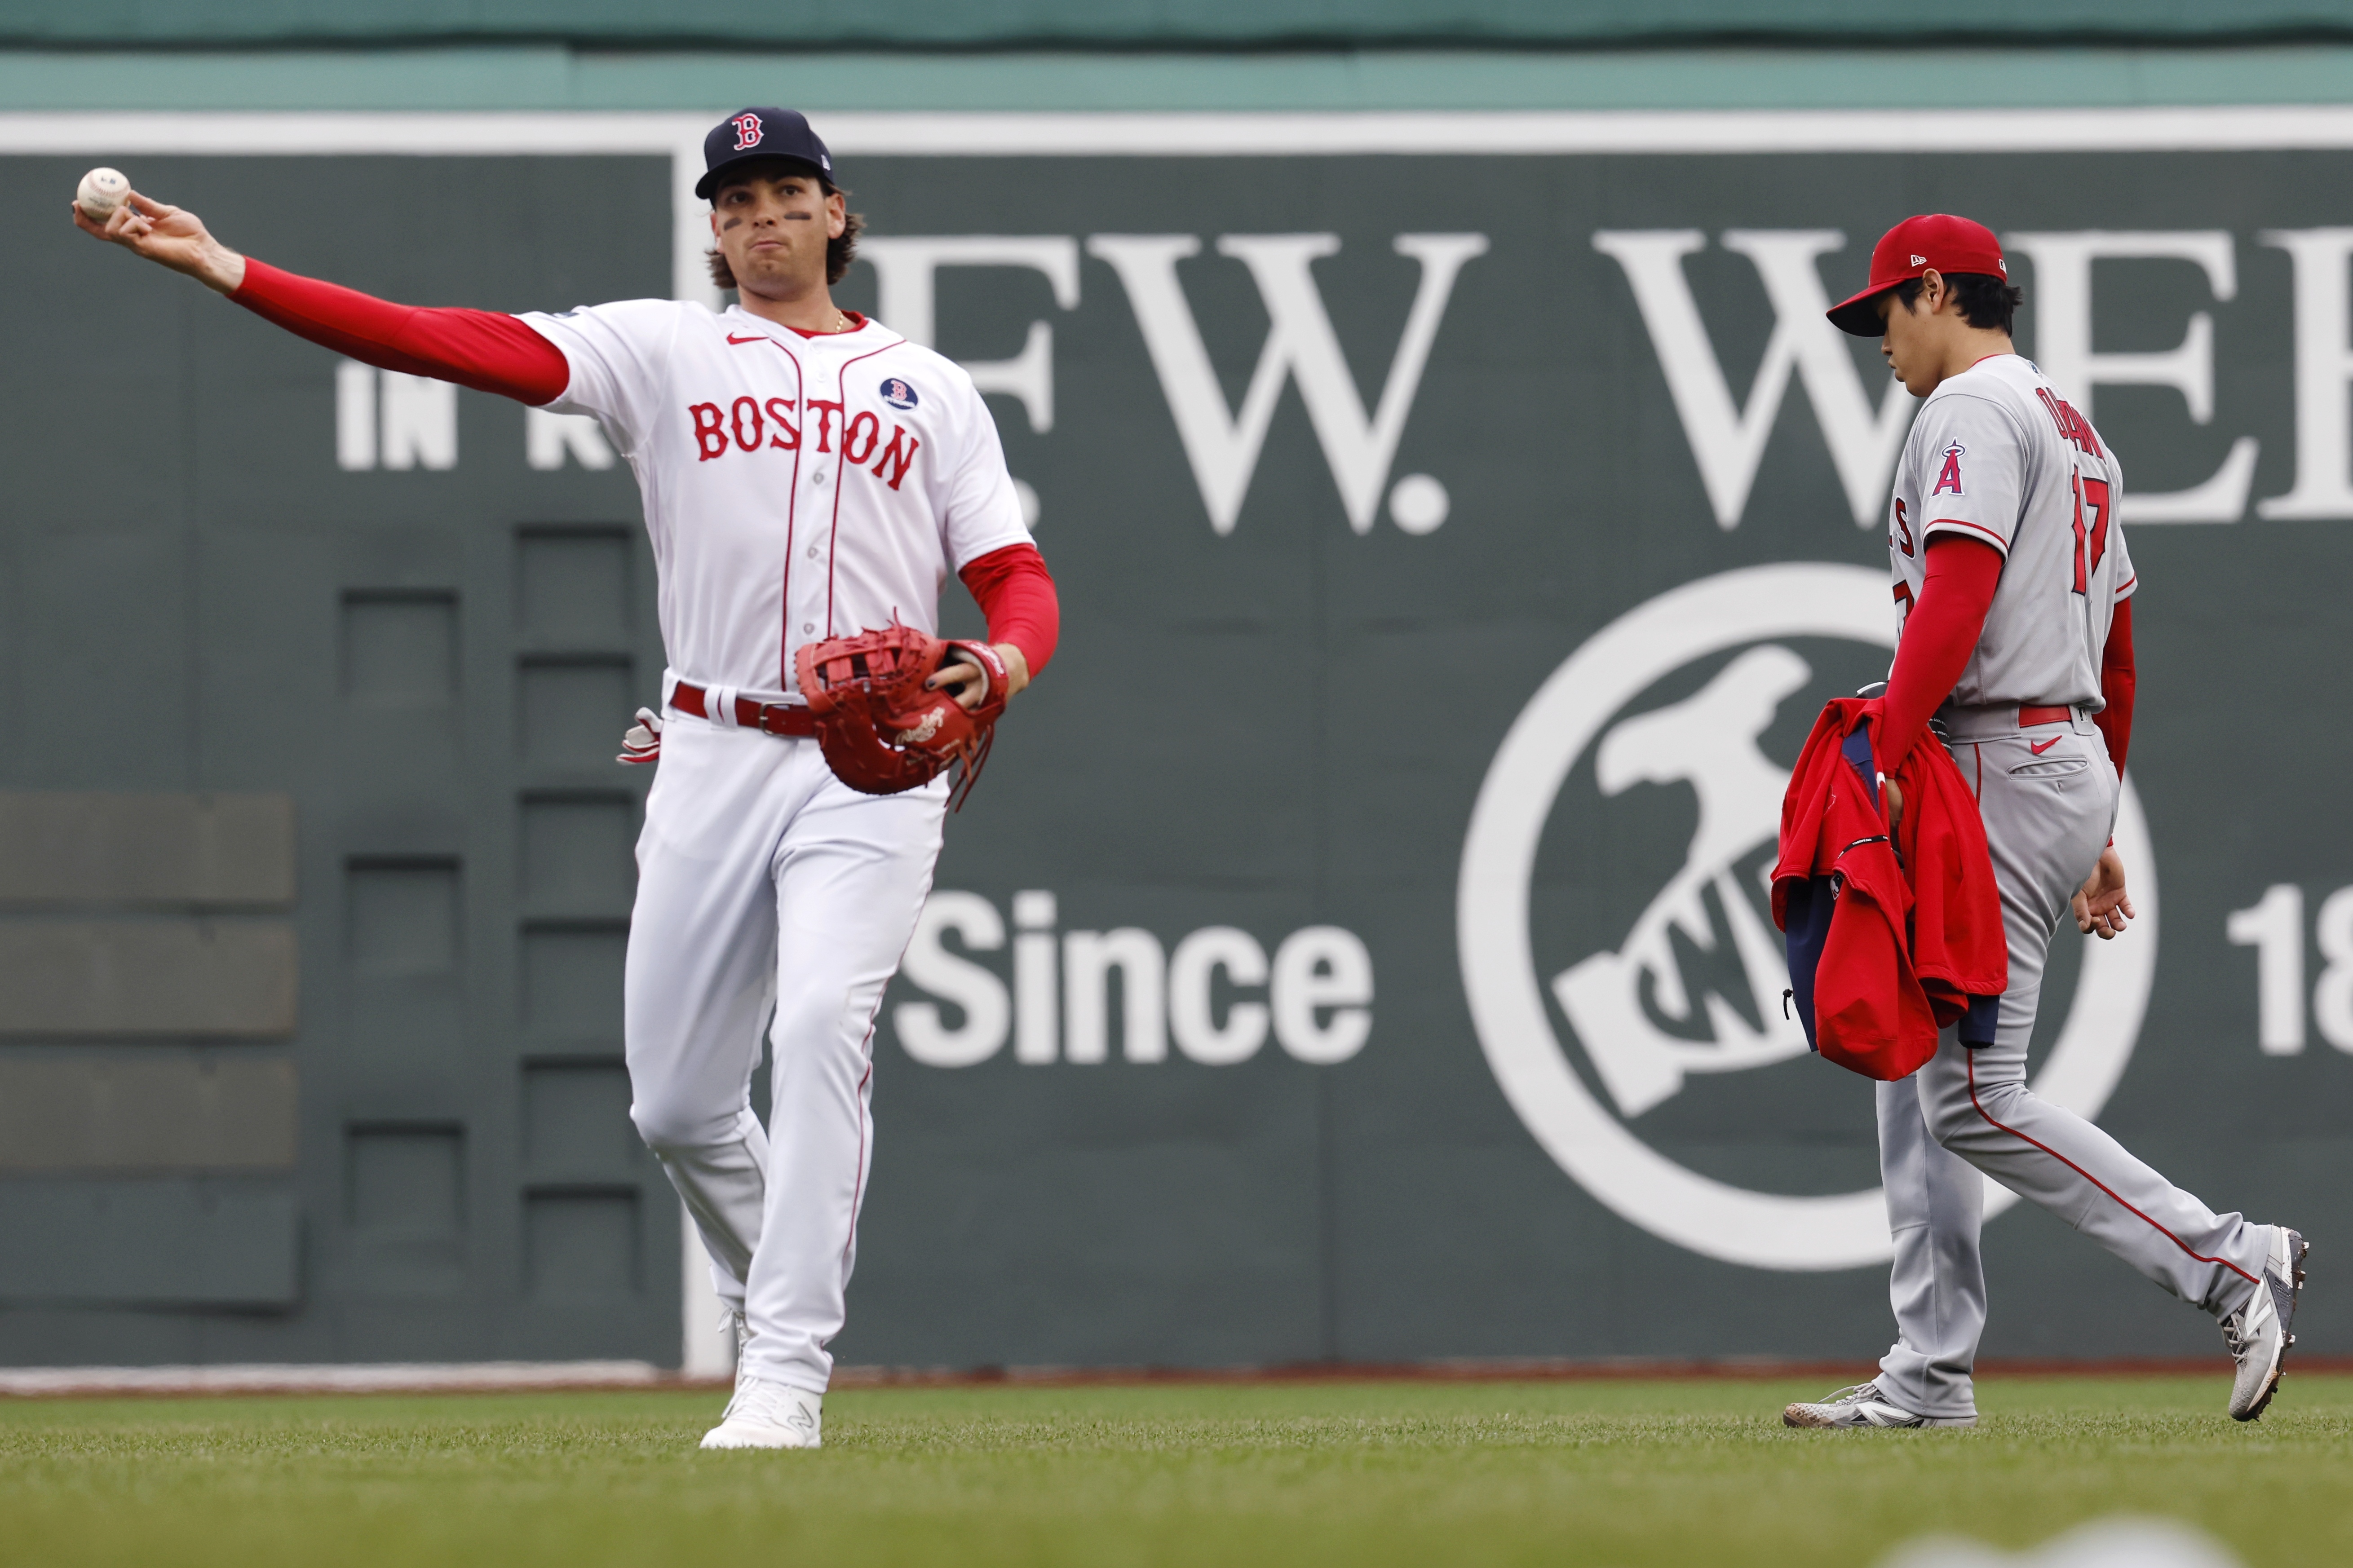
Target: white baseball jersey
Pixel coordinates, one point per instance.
(1997, 455)
(795, 488)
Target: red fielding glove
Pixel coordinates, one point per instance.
(881, 729)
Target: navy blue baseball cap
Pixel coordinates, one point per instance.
(760, 134)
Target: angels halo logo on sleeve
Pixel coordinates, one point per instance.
(1708, 741)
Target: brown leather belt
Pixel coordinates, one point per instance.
(2030, 717)
(769, 718)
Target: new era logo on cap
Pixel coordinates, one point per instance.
(1931, 241)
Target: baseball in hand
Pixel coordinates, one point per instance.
(101, 191)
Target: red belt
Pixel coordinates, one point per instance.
(2030, 717)
(769, 718)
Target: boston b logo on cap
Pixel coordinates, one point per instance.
(1931, 241)
(760, 133)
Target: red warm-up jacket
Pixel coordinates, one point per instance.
(1890, 937)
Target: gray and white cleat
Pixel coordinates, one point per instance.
(767, 1414)
(2260, 1334)
(1865, 1406)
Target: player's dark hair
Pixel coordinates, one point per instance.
(838, 253)
(1986, 302)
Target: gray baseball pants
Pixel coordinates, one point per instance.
(2047, 814)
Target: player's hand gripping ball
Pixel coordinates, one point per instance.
(101, 191)
(881, 733)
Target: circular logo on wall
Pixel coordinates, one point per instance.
(1644, 1030)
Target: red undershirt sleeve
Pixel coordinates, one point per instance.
(2117, 681)
(481, 349)
(1015, 592)
(1939, 634)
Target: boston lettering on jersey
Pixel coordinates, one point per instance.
(744, 441)
(748, 424)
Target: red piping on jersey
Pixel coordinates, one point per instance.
(857, 323)
(2087, 1175)
(840, 470)
(1999, 542)
(792, 520)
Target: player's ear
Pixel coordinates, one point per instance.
(836, 214)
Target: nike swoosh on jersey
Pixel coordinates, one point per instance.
(754, 338)
(2039, 747)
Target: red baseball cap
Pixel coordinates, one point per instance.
(1937, 240)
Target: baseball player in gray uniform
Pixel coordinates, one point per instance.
(2014, 586)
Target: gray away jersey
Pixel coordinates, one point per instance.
(1997, 455)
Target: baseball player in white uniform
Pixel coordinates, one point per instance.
(806, 474)
(2014, 586)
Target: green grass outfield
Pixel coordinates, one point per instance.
(1619, 1473)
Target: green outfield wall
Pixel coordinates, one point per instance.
(1296, 986)
(712, 81)
(1212, 22)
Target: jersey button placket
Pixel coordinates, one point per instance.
(827, 431)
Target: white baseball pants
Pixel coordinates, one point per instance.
(762, 876)
(2048, 812)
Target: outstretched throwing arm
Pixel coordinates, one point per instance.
(481, 349)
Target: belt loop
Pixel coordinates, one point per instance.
(721, 701)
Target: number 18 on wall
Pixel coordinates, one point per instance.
(2273, 927)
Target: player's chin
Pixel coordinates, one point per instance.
(778, 283)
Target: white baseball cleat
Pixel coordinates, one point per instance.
(2258, 1334)
(1865, 1406)
(765, 1414)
